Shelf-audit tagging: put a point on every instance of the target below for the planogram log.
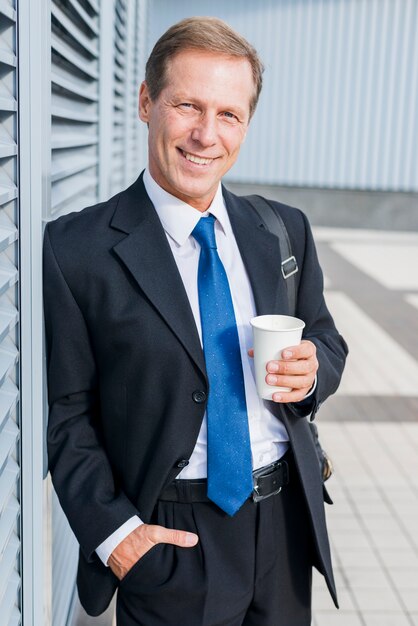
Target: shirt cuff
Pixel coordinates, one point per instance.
(311, 390)
(105, 549)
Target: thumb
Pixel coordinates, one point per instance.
(181, 538)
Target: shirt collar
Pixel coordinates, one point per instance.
(179, 218)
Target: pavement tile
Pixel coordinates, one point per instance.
(404, 578)
(398, 558)
(385, 619)
(350, 540)
(410, 597)
(377, 524)
(360, 558)
(369, 599)
(388, 539)
(339, 618)
(343, 524)
(321, 600)
(370, 577)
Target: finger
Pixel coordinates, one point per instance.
(305, 350)
(302, 367)
(182, 538)
(285, 397)
(251, 352)
(294, 382)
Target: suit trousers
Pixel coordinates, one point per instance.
(252, 569)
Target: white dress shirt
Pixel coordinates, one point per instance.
(268, 436)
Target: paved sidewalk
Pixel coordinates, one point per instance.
(370, 428)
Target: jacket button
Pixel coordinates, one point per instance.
(182, 463)
(199, 397)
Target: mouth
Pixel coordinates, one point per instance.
(194, 158)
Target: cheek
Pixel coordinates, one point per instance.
(233, 142)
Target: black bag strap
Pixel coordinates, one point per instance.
(274, 223)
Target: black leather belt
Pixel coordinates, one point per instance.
(268, 481)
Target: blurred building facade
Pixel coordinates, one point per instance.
(338, 111)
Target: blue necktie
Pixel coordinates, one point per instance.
(229, 451)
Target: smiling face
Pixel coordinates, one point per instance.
(198, 123)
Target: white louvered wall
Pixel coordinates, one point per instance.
(340, 101)
(10, 581)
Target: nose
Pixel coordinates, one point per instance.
(205, 132)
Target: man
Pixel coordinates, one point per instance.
(152, 439)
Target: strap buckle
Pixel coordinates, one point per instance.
(258, 498)
(275, 475)
(289, 267)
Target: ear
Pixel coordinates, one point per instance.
(144, 104)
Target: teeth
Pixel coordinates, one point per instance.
(196, 159)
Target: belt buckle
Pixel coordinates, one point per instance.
(256, 496)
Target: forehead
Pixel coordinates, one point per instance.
(210, 72)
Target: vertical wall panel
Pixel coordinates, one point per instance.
(120, 84)
(74, 185)
(339, 105)
(134, 78)
(10, 580)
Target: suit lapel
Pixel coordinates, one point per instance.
(260, 252)
(147, 255)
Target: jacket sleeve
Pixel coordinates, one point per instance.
(331, 348)
(81, 473)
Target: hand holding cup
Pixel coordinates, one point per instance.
(285, 366)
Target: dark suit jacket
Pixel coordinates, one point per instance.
(125, 363)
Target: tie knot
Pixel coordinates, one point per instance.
(204, 232)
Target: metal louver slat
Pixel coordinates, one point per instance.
(68, 25)
(7, 58)
(8, 400)
(8, 603)
(8, 358)
(74, 116)
(10, 582)
(85, 66)
(85, 17)
(7, 10)
(71, 166)
(94, 5)
(73, 88)
(7, 563)
(6, 194)
(7, 104)
(8, 276)
(7, 482)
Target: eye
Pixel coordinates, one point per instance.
(186, 105)
(230, 116)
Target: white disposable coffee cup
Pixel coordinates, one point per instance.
(272, 334)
